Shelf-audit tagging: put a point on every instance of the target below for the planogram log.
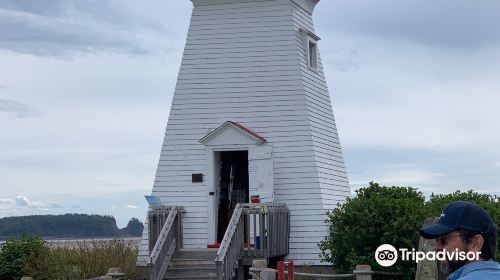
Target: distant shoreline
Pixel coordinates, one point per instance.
(68, 226)
(56, 242)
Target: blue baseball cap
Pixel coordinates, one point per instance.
(461, 215)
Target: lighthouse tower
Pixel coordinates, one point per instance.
(251, 119)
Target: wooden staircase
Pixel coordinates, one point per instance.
(256, 231)
(191, 264)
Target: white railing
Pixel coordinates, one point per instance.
(255, 231)
(164, 242)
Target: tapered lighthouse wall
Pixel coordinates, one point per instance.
(330, 168)
(245, 61)
(333, 176)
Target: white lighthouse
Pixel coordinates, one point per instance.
(251, 119)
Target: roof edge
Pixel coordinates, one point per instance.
(259, 139)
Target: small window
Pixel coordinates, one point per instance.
(312, 54)
(310, 41)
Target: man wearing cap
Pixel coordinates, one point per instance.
(466, 227)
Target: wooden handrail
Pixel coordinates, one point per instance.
(254, 231)
(167, 242)
(231, 247)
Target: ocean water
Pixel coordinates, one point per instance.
(130, 241)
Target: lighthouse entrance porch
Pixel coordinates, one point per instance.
(239, 170)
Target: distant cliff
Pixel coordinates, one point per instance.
(68, 226)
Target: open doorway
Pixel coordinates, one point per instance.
(233, 186)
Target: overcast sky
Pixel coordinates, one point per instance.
(86, 86)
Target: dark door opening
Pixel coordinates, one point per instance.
(233, 187)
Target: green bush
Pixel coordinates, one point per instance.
(380, 214)
(377, 215)
(16, 254)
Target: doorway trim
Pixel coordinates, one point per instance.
(212, 187)
(230, 136)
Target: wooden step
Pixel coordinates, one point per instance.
(190, 273)
(200, 254)
(190, 278)
(208, 264)
(192, 264)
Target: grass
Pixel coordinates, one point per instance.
(91, 259)
(83, 260)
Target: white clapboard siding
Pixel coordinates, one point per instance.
(246, 61)
(333, 180)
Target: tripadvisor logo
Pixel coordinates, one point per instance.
(386, 255)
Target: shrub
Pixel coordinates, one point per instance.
(94, 258)
(392, 215)
(377, 215)
(16, 254)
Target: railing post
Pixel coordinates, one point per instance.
(281, 270)
(167, 239)
(220, 272)
(152, 275)
(289, 268)
(179, 230)
(363, 272)
(291, 274)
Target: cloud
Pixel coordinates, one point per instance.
(20, 205)
(342, 59)
(62, 28)
(7, 203)
(443, 101)
(128, 206)
(22, 201)
(17, 109)
(410, 177)
(75, 205)
(452, 24)
(38, 205)
(413, 175)
(54, 205)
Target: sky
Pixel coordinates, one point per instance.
(86, 87)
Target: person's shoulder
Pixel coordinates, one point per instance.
(488, 270)
(482, 275)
